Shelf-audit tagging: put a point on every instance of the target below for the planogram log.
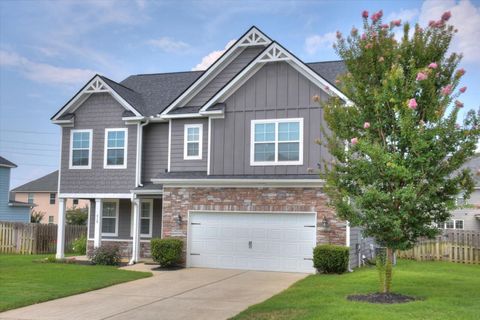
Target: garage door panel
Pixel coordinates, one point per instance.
(279, 242)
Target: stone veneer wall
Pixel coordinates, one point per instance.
(125, 248)
(178, 201)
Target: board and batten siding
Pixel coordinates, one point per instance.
(224, 76)
(177, 163)
(125, 220)
(276, 91)
(8, 213)
(155, 150)
(98, 112)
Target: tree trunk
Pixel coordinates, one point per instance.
(387, 285)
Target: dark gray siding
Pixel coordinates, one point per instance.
(177, 144)
(359, 247)
(125, 216)
(155, 150)
(275, 91)
(98, 112)
(225, 76)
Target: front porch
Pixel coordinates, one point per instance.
(126, 221)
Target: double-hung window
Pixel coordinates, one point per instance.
(146, 218)
(81, 149)
(110, 218)
(30, 198)
(52, 198)
(116, 148)
(192, 146)
(276, 142)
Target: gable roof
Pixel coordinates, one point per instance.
(6, 163)
(48, 183)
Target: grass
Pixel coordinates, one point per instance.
(450, 291)
(25, 281)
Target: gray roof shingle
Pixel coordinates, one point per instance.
(7, 163)
(48, 183)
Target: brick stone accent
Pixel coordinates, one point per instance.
(125, 248)
(178, 201)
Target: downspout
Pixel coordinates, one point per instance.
(140, 151)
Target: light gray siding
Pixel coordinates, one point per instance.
(98, 112)
(177, 163)
(275, 91)
(470, 221)
(125, 218)
(8, 213)
(225, 76)
(155, 150)
(360, 247)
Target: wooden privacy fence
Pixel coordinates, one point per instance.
(461, 246)
(33, 238)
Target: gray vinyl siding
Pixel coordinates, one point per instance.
(8, 213)
(155, 150)
(225, 76)
(470, 222)
(98, 112)
(275, 91)
(177, 163)
(125, 217)
(360, 246)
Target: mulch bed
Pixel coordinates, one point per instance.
(388, 298)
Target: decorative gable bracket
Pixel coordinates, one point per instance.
(97, 85)
(254, 37)
(274, 53)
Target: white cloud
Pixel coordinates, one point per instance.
(317, 42)
(406, 15)
(42, 72)
(169, 45)
(212, 57)
(465, 17)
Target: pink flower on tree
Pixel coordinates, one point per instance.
(433, 65)
(439, 24)
(354, 31)
(412, 104)
(458, 104)
(366, 125)
(364, 36)
(446, 90)
(339, 35)
(396, 23)
(421, 76)
(460, 72)
(446, 15)
(365, 14)
(376, 16)
(463, 89)
(354, 141)
(384, 26)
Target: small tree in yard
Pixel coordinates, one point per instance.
(398, 149)
(77, 216)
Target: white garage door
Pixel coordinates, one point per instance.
(252, 241)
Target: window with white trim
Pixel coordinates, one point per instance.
(456, 224)
(192, 149)
(110, 218)
(116, 148)
(81, 149)
(50, 219)
(146, 214)
(276, 142)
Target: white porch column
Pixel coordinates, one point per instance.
(97, 238)
(136, 231)
(61, 229)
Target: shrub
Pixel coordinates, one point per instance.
(79, 246)
(106, 255)
(331, 258)
(166, 252)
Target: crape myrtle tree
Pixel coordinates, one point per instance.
(397, 148)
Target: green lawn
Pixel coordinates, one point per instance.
(450, 291)
(24, 282)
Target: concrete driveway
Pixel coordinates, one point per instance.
(184, 294)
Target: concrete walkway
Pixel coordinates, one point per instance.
(184, 294)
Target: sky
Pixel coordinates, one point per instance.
(49, 49)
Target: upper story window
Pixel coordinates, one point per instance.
(116, 148)
(31, 197)
(192, 149)
(81, 149)
(52, 198)
(75, 202)
(110, 218)
(276, 142)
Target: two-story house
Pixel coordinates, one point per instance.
(224, 159)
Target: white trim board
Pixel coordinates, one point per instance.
(253, 37)
(117, 216)
(273, 53)
(242, 183)
(96, 195)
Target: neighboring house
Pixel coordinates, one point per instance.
(224, 159)
(10, 210)
(43, 192)
(468, 218)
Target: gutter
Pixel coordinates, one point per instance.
(140, 151)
